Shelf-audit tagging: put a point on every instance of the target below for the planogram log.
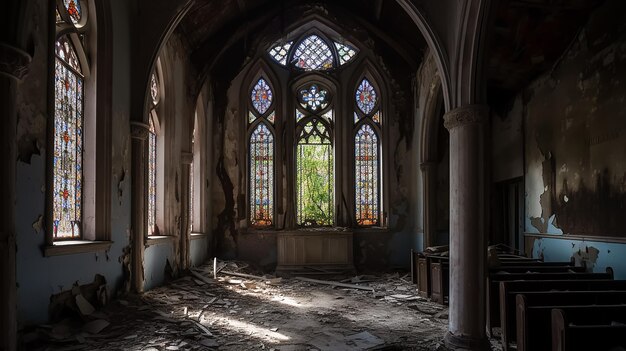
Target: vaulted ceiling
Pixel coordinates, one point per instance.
(525, 37)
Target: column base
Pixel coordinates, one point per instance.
(466, 343)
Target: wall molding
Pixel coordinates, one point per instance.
(604, 239)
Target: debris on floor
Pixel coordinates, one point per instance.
(243, 310)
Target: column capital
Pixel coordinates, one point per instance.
(186, 157)
(14, 62)
(139, 130)
(465, 115)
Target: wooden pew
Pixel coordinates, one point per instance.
(537, 269)
(534, 319)
(509, 289)
(493, 287)
(598, 328)
(439, 278)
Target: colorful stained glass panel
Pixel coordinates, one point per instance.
(261, 176)
(345, 52)
(261, 96)
(152, 190)
(74, 10)
(366, 173)
(299, 115)
(154, 89)
(313, 98)
(366, 97)
(279, 53)
(68, 148)
(312, 53)
(65, 51)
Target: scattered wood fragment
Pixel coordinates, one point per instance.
(332, 283)
(201, 277)
(203, 328)
(242, 275)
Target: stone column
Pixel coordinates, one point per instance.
(466, 328)
(185, 261)
(139, 133)
(429, 175)
(13, 67)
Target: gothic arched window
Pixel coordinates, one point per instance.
(367, 154)
(261, 117)
(315, 183)
(330, 167)
(70, 69)
(152, 165)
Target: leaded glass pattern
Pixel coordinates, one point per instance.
(74, 10)
(328, 115)
(68, 148)
(261, 96)
(299, 115)
(191, 196)
(279, 52)
(154, 89)
(261, 176)
(271, 117)
(312, 53)
(313, 98)
(366, 97)
(251, 117)
(367, 168)
(66, 52)
(345, 52)
(314, 172)
(152, 188)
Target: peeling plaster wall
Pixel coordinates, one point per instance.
(199, 251)
(575, 144)
(39, 277)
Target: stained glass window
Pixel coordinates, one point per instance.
(328, 115)
(279, 53)
(366, 97)
(312, 53)
(152, 188)
(68, 143)
(345, 52)
(251, 117)
(314, 171)
(313, 98)
(261, 96)
(73, 9)
(366, 176)
(261, 176)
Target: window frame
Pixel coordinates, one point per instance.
(343, 81)
(90, 38)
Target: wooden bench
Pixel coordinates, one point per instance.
(439, 278)
(537, 269)
(509, 289)
(534, 322)
(493, 287)
(598, 328)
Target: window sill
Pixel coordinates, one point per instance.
(159, 240)
(76, 246)
(198, 236)
(359, 230)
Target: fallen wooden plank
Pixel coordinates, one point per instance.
(332, 283)
(201, 277)
(242, 275)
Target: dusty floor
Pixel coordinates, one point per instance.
(234, 313)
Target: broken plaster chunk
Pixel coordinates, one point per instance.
(84, 306)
